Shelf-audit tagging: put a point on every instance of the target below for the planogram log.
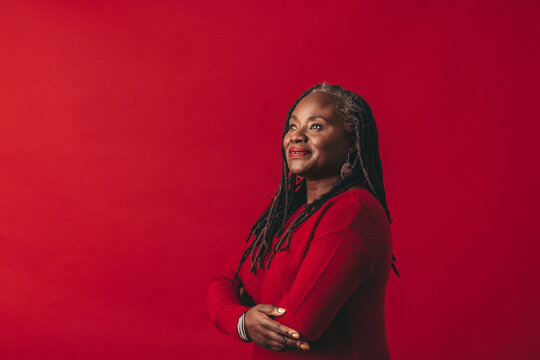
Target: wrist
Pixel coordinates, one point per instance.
(241, 328)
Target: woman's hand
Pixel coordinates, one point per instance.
(270, 334)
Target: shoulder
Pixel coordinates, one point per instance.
(350, 207)
(359, 212)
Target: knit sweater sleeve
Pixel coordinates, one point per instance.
(335, 265)
(222, 303)
(338, 261)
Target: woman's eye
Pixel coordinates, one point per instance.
(292, 127)
(315, 126)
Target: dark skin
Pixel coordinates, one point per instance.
(319, 145)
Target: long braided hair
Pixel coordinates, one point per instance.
(291, 192)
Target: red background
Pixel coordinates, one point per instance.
(141, 140)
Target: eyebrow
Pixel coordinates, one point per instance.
(311, 117)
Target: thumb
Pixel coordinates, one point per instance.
(271, 310)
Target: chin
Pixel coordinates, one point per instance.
(298, 170)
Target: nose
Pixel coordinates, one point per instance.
(297, 137)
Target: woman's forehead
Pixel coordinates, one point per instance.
(317, 101)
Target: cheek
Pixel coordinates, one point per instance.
(329, 147)
(333, 151)
(285, 141)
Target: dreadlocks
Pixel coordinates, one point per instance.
(291, 192)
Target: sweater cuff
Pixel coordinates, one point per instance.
(228, 319)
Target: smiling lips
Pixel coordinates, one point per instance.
(296, 152)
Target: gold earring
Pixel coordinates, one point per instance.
(346, 169)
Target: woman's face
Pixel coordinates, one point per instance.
(316, 143)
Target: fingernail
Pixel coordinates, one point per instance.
(296, 335)
(281, 310)
(304, 346)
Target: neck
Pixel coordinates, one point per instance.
(316, 188)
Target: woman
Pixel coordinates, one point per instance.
(322, 296)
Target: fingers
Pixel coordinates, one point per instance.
(269, 333)
(279, 328)
(277, 342)
(272, 310)
(284, 335)
(281, 343)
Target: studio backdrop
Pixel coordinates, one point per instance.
(139, 141)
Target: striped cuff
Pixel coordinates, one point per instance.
(241, 328)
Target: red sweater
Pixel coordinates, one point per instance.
(331, 280)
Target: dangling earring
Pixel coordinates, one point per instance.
(346, 169)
